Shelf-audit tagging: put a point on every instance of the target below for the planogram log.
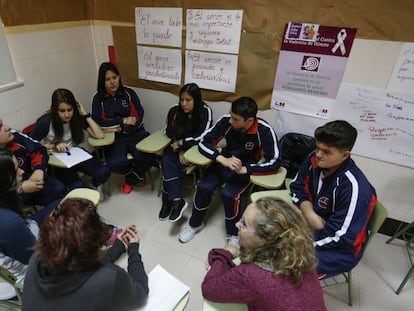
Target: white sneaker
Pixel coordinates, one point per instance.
(188, 233)
(234, 240)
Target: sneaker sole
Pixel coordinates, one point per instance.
(181, 213)
(165, 218)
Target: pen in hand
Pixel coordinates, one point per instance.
(67, 150)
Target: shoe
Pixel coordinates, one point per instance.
(188, 233)
(234, 241)
(177, 209)
(115, 232)
(126, 188)
(165, 211)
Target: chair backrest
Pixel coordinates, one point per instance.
(295, 147)
(379, 214)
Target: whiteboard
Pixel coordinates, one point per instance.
(384, 120)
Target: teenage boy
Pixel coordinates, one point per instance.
(247, 139)
(336, 199)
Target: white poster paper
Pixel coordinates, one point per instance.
(159, 26)
(214, 30)
(211, 71)
(159, 64)
(402, 78)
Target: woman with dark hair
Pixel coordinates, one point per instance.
(68, 268)
(277, 270)
(62, 127)
(117, 108)
(187, 123)
(17, 234)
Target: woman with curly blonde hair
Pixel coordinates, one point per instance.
(277, 270)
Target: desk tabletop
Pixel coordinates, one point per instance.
(108, 139)
(154, 143)
(54, 161)
(194, 156)
(272, 181)
(283, 194)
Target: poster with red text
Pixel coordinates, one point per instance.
(311, 65)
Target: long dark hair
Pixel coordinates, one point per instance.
(76, 127)
(8, 183)
(184, 125)
(103, 69)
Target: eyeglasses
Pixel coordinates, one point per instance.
(242, 225)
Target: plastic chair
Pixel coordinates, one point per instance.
(7, 276)
(408, 237)
(379, 214)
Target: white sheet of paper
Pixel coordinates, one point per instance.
(165, 290)
(77, 155)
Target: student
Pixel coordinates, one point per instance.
(17, 234)
(117, 108)
(336, 199)
(36, 188)
(187, 122)
(248, 138)
(277, 270)
(68, 268)
(61, 128)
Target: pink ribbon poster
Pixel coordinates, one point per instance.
(311, 65)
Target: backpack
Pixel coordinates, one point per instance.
(295, 147)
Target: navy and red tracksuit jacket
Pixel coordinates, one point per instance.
(345, 199)
(260, 141)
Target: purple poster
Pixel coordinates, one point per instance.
(311, 65)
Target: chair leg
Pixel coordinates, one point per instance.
(349, 289)
(407, 277)
(400, 232)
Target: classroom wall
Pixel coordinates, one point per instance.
(63, 55)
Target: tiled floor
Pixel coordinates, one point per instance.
(374, 279)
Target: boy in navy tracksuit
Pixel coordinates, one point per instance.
(247, 138)
(32, 158)
(336, 199)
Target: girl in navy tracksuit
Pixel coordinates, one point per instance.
(117, 108)
(63, 127)
(187, 122)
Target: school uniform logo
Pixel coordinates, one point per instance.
(249, 145)
(125, 104)
(323, 202)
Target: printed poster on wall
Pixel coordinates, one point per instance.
(310, 69)
(159, 64)
(213, 71)
(214, 30)
(402, 78)
(159, 26)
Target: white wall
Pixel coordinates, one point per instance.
(69, 58)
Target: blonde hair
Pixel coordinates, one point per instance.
(288, 247)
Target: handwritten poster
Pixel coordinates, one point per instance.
(310, 69)
(159, 64)
(211, 71)
(384, 120)
(402, 78)
(214, 30)
(159, 26)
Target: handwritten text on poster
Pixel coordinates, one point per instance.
(159, 26)
(159, 64)
(211, 71)
(214, 30)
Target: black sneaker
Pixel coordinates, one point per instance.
(165, 211)
(177, 209)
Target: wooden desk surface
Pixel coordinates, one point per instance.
(108, 139)
(272, 181)
(154, 143)
(194, 156)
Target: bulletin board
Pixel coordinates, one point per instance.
(262, 30)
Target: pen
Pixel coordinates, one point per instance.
(67, 151)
